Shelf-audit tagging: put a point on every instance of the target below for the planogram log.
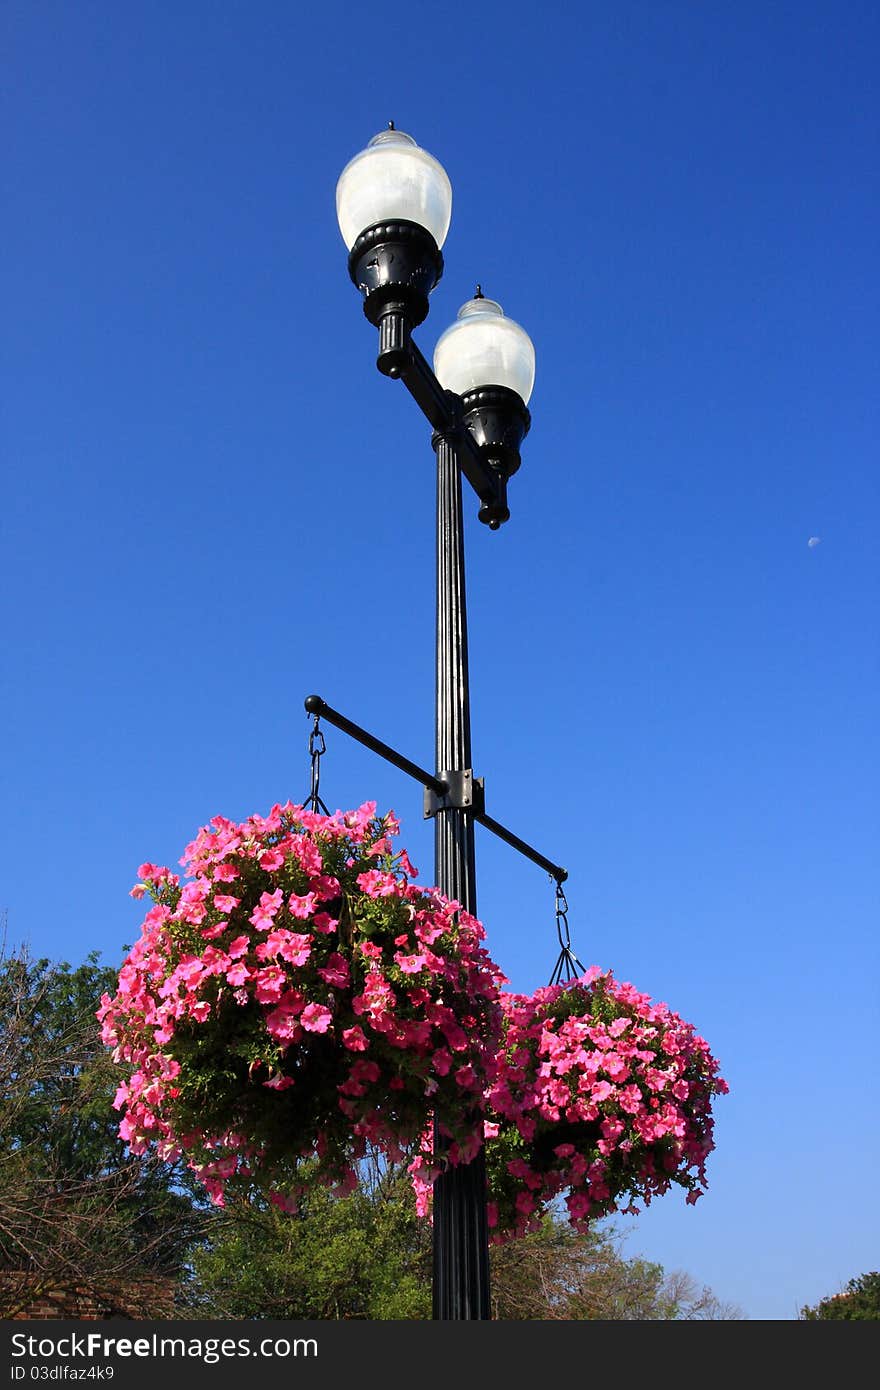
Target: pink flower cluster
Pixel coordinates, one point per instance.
(598, 1094)
(295, 999)
(298, 997)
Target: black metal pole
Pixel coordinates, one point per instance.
(396, 263)
(461, 1244)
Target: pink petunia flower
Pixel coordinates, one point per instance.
(315, 1018)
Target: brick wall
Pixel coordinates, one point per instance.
(30, 1296)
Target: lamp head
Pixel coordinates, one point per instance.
(393, 180)
(394, 204)
(489, 361)
(485, 348)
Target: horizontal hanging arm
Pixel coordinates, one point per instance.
(554, 870)
(315, 705)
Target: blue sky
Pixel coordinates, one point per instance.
(214, 505)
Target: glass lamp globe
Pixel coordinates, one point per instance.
(392, 180)
(485, 348)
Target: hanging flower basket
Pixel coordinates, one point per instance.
(296, 998)
(600, 1094)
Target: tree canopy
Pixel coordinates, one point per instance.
(368, 1256)
(860, 1300)
(76, 1210)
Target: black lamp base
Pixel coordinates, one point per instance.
(395, 264)
(499, 422)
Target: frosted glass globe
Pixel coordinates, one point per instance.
(393, 179)
(483, 348)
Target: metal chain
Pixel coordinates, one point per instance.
(317, 748)
(567, 967)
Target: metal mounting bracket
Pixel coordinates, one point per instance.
(464, 792)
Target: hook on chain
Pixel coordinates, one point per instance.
(317, 749)
(562, 930)
(567, 967)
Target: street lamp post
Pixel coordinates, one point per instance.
(394, 203)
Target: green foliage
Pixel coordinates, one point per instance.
(363, 1256)
(859, 1301)
(55, 1074)
(75, 1207)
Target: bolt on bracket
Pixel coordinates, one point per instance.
(464, 792)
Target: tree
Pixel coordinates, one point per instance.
(860, 1300)
(366, 1255)
(76, 1210)
(557, 1274)
(369, 1256)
